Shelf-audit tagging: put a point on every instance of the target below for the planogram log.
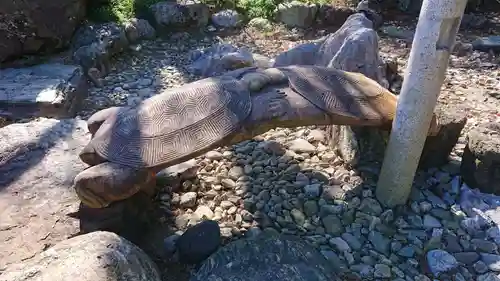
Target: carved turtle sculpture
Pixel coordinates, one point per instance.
(130, 145)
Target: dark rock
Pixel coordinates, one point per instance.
(371, 206)
(332, 192)
(267, 258)
(35, 194)
(484, 246)
(333, 225)
(37, 27)
(199, 242)
(380, 242)
(486, 44)
(467, 258)
(451, 243)
(46, 90)
(492, 261)
(480, 267)
(481, 159)
(334, 260)
(90, 257)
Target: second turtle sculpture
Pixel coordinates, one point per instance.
(130, 145)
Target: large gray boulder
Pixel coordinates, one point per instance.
(303, 54)
(114, 34)
(96, 256)
(37, 26)
(38, 161)
(297, 14)
(188, 14)
(226, 18)
(48, 90)
(267, 257)
(354, 47)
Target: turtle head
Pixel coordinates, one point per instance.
(97, 119)
(103, 184)
(90, 156)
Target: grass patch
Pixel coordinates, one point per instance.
(267, 8)
(119, 10)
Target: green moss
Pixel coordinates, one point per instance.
(118, 10)
(316, 1)
(258, 8)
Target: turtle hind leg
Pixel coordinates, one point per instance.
(103, 184)
(257, 80)
(95, 121)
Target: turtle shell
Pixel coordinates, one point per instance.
(174, 124)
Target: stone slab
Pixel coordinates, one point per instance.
(38, 162)
(45, 90)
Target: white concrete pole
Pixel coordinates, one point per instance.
(434, 38)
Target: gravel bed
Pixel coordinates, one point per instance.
(290, 181)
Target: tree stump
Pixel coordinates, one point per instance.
(481, 159)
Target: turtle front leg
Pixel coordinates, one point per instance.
(259, 79)
(103, 184)
(95, 121)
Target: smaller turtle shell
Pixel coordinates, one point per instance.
(336, 91)
(175, 123)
